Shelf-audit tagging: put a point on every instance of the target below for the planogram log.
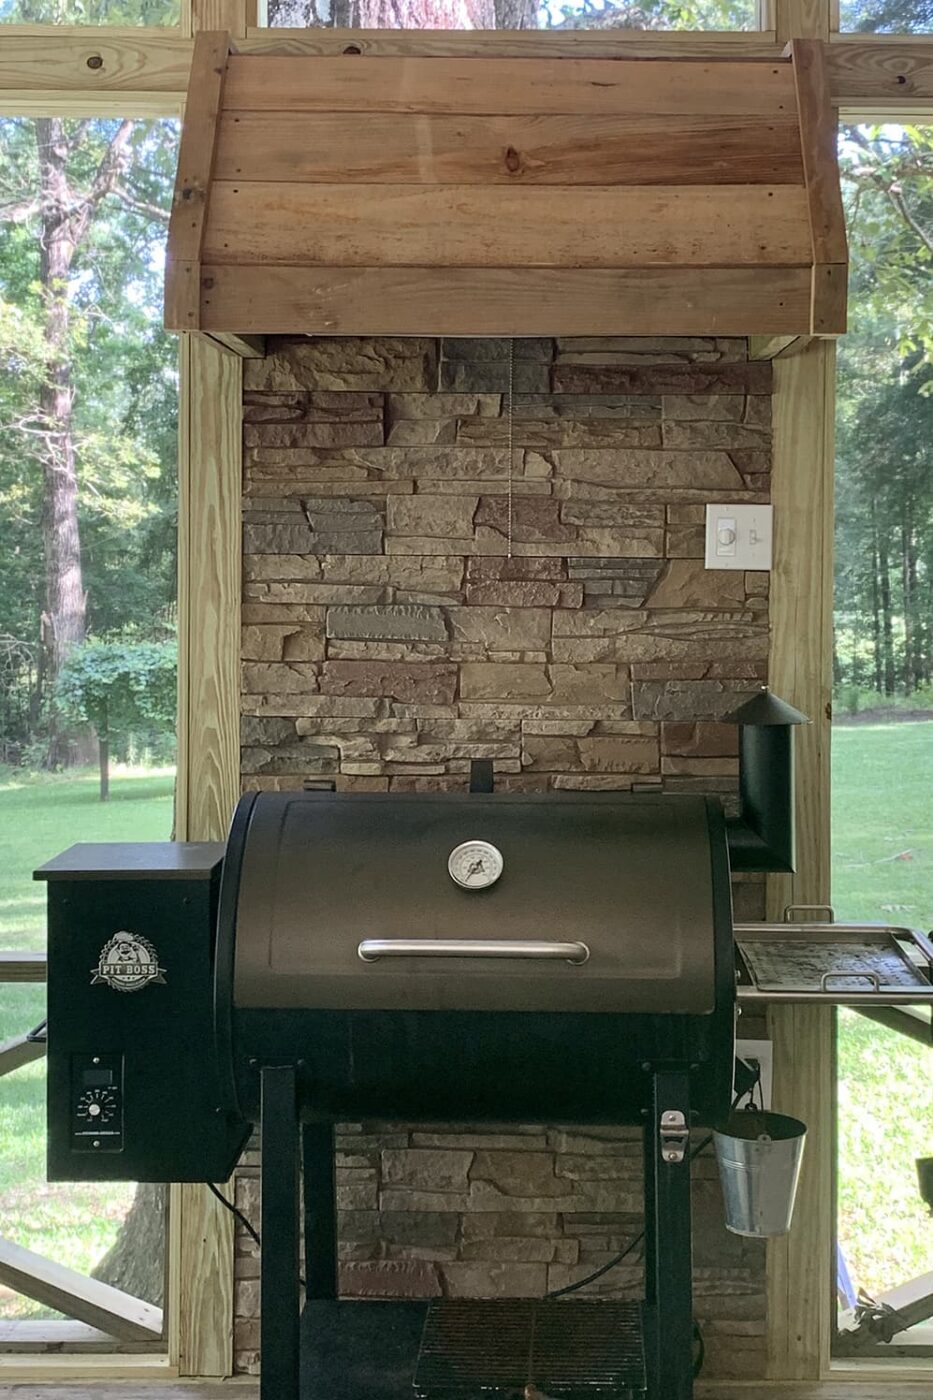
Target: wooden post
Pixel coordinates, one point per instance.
(800, 1277)
(201, 1236)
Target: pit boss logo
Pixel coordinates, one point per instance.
(127, 963)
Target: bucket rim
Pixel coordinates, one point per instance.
(779, 1127)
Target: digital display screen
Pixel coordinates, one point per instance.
(97, 1078)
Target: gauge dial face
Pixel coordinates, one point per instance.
(97, 1106)
(475, 865)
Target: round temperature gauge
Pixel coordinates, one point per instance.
(475, 865)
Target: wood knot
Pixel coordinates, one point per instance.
(513, 161)
(95, 61)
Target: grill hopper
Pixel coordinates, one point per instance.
(642, 881)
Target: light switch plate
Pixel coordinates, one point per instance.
(738, 537)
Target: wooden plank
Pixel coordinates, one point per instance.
(43, 1336)
(207, 787)
(867, 75)
(89, 61)
(830, 299)
(180, 309)
(513, 43)
(765, 347)
(819, 142)
(85, 1299)
(248, 347)
(145, 72)
(370, 226)
(491, 301)
(801, 19)
(23, 967)
(193, 177)
(800, 1266)
(18, 1052)
(471, 226)
(598, 87)
(244, 1388)
(422, 149)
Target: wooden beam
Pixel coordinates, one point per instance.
(144, 72)
(800, 1266)
(765, 347)
(39, 1335)
(515, 43)
(497, 301)
(193, 179)
(801, 19)
(18, 1052)
(818, 134)
(23, 967)
(207, 786)
(85, 1299)
(248, 347)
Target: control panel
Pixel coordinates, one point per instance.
(97, 1103)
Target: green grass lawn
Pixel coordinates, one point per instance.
(883, 870)
(40, 816)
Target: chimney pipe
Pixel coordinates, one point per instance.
(762, 837)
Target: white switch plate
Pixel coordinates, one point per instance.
(738, 537)
(760, 1052)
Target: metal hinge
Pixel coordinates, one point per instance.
(675, 1135)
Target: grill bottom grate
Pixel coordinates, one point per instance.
(584, 1349)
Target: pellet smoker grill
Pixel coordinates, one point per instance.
(478, 957)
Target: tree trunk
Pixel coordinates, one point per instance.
(103, 754)
(136, 1261)
(65, 600)
(887, 622)
(877, 640)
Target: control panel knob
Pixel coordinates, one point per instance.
(97, 1106)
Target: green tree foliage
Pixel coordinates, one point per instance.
(122, 382)
(884, 482)
(121, 688)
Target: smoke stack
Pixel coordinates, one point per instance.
(762, 837)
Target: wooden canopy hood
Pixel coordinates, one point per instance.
(356, 195)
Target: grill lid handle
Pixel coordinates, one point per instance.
(372, 949)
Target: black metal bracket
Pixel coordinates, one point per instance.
(481, 775)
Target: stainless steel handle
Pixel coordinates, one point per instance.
(791, 910)
(371, 949)
(871, 977)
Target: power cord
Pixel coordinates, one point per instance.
(236, 1213)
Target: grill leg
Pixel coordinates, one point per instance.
(668, 1250)
(320, 1197)
(278, 1278)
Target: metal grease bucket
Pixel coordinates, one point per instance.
(759, 1156)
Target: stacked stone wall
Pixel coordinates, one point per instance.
(389, 637)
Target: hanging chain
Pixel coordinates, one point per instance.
(511, 416)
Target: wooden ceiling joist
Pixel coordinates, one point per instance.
(455, 196)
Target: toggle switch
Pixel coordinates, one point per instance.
(738, 537)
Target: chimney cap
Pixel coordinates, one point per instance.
(767, 709)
